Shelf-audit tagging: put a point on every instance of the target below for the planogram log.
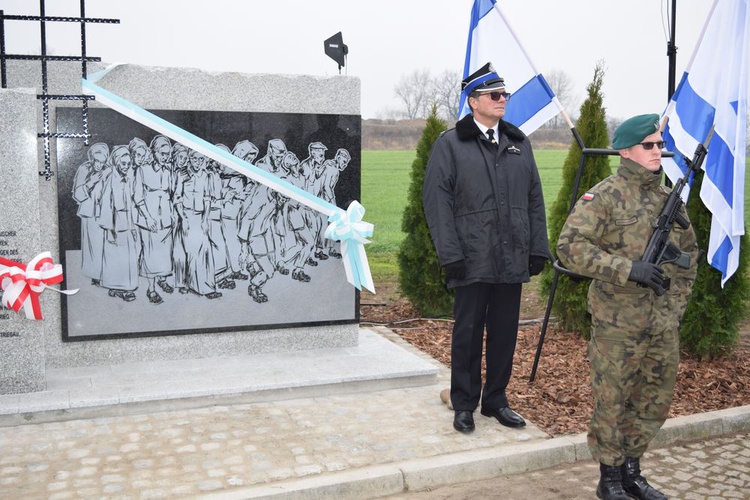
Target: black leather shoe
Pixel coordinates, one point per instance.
(463, 421)
(505, 416)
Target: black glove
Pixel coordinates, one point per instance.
(536, 264)
(647, 274)
(455, 270)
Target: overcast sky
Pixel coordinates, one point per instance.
(387, 39)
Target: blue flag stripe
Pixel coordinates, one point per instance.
(720, 259)
(695, 113)
(718, 157)
(483, 7)
(528, 100)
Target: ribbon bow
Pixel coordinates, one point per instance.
(348, 228)
(22, 285)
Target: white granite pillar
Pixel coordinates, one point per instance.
(21, 339)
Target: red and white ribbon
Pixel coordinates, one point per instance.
(23, 284)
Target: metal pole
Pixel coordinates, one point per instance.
(672, 53)
(553, 288)
(672, 56)
(3, 82)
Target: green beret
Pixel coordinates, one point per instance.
(634, 130)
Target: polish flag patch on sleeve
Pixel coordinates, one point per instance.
(587, 196)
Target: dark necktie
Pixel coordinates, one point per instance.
(491, 136)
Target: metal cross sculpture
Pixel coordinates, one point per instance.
(43, 57)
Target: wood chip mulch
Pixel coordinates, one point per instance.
(559, 400)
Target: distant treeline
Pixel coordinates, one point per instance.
(405, 134)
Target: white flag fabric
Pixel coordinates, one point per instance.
(491, 39)
(713, 90)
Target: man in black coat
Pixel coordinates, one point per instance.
(484, 207)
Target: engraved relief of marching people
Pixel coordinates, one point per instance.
(166, 216)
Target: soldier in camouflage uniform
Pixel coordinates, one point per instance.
(634, 347)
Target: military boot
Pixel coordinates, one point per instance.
(610, 484)
(636, 485)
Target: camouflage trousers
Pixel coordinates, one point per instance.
(634, 356)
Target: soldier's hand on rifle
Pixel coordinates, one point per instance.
(647, 274)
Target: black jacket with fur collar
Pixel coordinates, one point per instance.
(484, 203)
(467, 129)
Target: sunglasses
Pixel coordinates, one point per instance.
(495, 96)
(648, 146)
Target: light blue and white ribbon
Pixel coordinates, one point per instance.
(348, 228)
(353, 253)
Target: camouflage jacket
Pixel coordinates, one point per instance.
(610, 227)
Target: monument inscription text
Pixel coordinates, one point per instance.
(7, 250)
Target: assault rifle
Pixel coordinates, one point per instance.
(659, 249)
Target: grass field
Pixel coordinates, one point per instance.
(385, 183)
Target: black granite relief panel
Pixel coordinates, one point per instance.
(161, 240)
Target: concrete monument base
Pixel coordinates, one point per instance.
(375, 363)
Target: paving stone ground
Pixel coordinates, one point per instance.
(187, 453)
(361, 445)
(710, 469)
(191, 453)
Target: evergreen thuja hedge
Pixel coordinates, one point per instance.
(421, 278)
(570, 301)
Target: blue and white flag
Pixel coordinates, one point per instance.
(491, 39)
(713, 90)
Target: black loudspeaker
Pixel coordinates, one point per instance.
(336, 49)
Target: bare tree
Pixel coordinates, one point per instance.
(446, 91)
(612, 124)
(413, 92)
(419, 91)
(562, 85)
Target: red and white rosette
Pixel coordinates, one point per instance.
(23, 284)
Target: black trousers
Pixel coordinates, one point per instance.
(478, 305)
